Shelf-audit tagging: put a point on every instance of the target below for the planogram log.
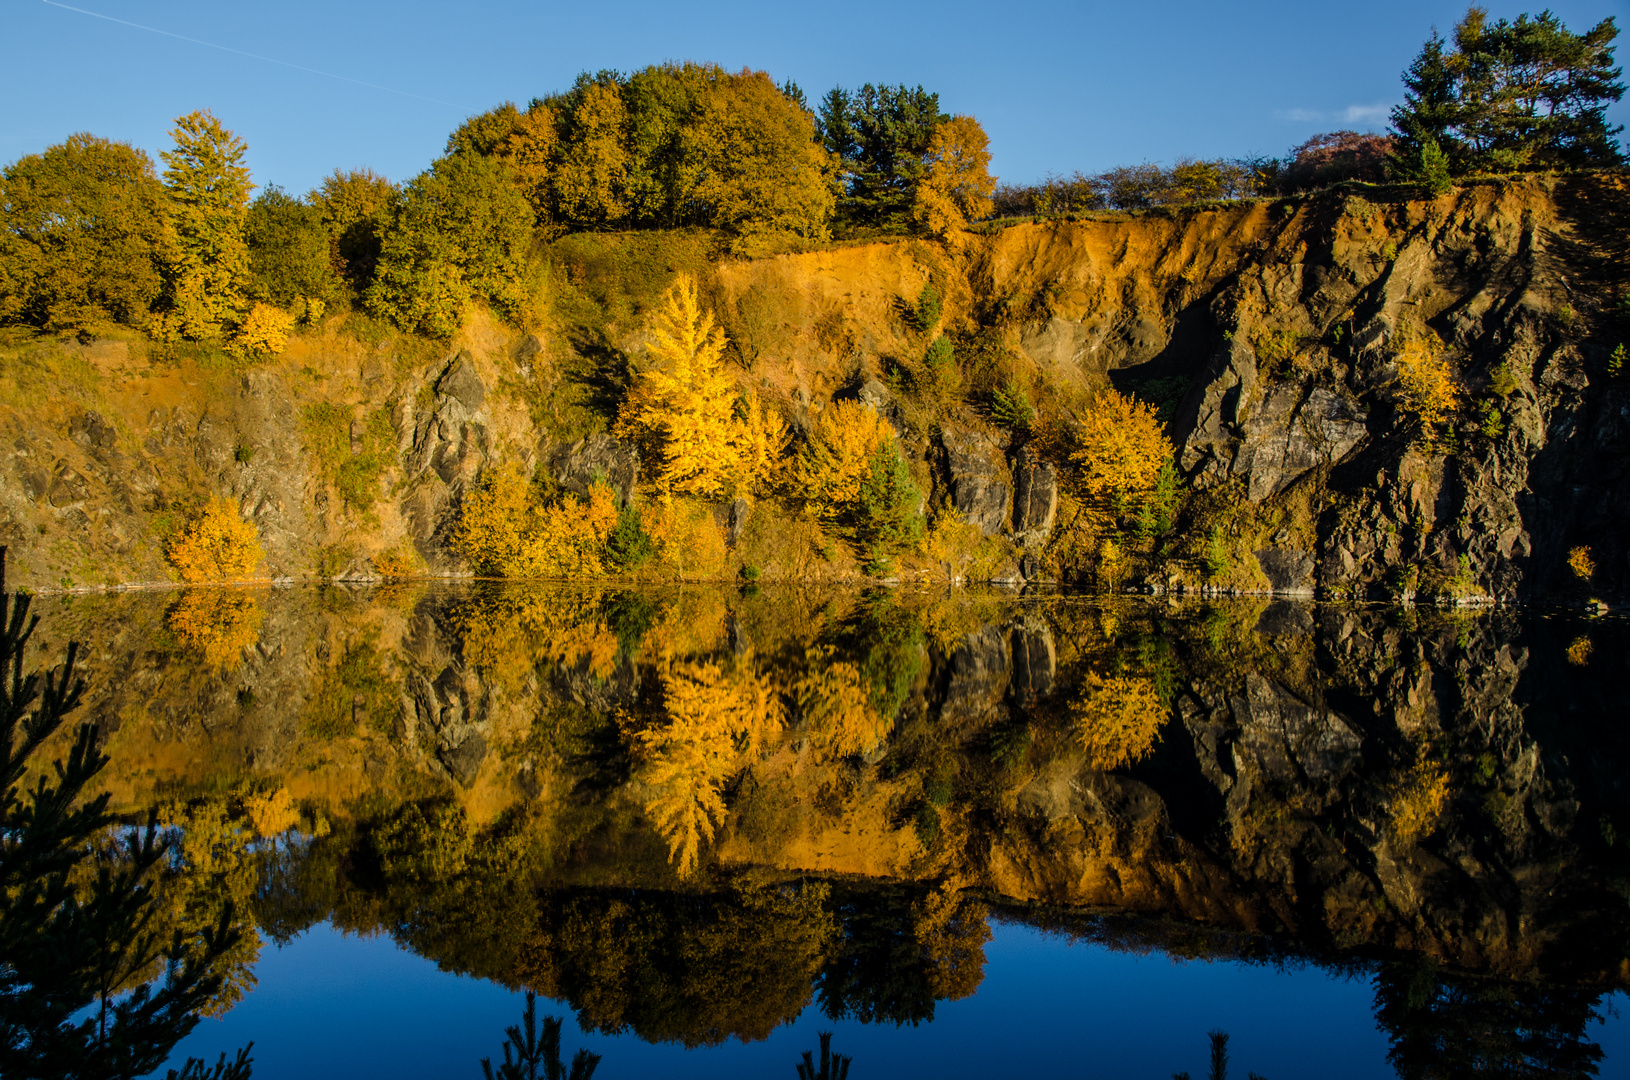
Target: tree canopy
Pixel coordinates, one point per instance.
(1508, 95)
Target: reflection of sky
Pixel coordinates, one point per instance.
(330, 1005)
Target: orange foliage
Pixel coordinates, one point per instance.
(217, 624)
(216, 545)
(957, 186)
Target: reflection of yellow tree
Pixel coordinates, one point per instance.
(217, 624)
(951, 932)
(1117, 719)
(508, 634)
(717, 719)
(836, 705)
(1417, 803)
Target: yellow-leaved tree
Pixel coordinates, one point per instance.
(684, 406)
(1117, 719)
(207, 259)
(1427, 386)
(957, 186)
(1121, 450)
(218, 624)
(217, 544)
(837, 457)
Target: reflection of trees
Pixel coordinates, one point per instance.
(1117, 719)
(1447, 1026)
(78, 939)
(526, 1051)
(900, 952)
(218, 624)
(716, 719)
(696, 969)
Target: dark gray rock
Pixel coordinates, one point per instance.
(1035, 500)
(1035, 661)
(461, 383)
(1287, 569)
(597, 458)
(875, 396)
(979, 482)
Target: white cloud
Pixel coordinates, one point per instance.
(1352, 115)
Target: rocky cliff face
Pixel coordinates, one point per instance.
(1269, 331)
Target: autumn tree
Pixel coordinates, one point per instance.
(1121, 450)
(289, 255)
(208, 267)
(506, 530)
(80, 228)
(759, 172)
(1117, 719)
(1528, 94)
(589, 182)
(217, 544)
(357, 207)
(684, 406)
(460, 235)
(956, 186)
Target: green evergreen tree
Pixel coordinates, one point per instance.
(526, 1052)
(881, 134)
(207, 260)
(1507, 95)
(832, 1067)
(71, 943)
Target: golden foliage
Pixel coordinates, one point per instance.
(272, 812)
(1579, 651)
(684, 403)
(507, 635)
(529, 150)
(835, 705)
(689, 542)
(1122, 448)
(957, 186)
(216, 545)
(1117, 719)
(1580, 562)
(1417, 803)
(505, 530)
(217, 624)
(1427, 386)
(951, 931)
(717, 719)
(208, 260)
(837, 458)
(211, 866)
(265, 330)
(398, 561)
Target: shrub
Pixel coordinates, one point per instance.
(264, 331)
(506, 531)
(397, 562)
(889, 510)
(1580, 562)
(217, 544)
(1417, 803)
(1122, 450)
(1010, 406)
(927, 312)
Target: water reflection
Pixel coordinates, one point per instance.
(694, 814)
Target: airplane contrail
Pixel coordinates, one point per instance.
(253, 56)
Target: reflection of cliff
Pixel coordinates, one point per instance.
(1447, 787)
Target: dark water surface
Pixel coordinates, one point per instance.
(969, 833)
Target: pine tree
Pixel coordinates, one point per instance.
(833, 1066)
(526, 1053)
(70, 943)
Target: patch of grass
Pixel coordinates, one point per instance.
(353, 473)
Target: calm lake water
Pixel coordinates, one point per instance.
(969, 833)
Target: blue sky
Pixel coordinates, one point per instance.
(1059, 87)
